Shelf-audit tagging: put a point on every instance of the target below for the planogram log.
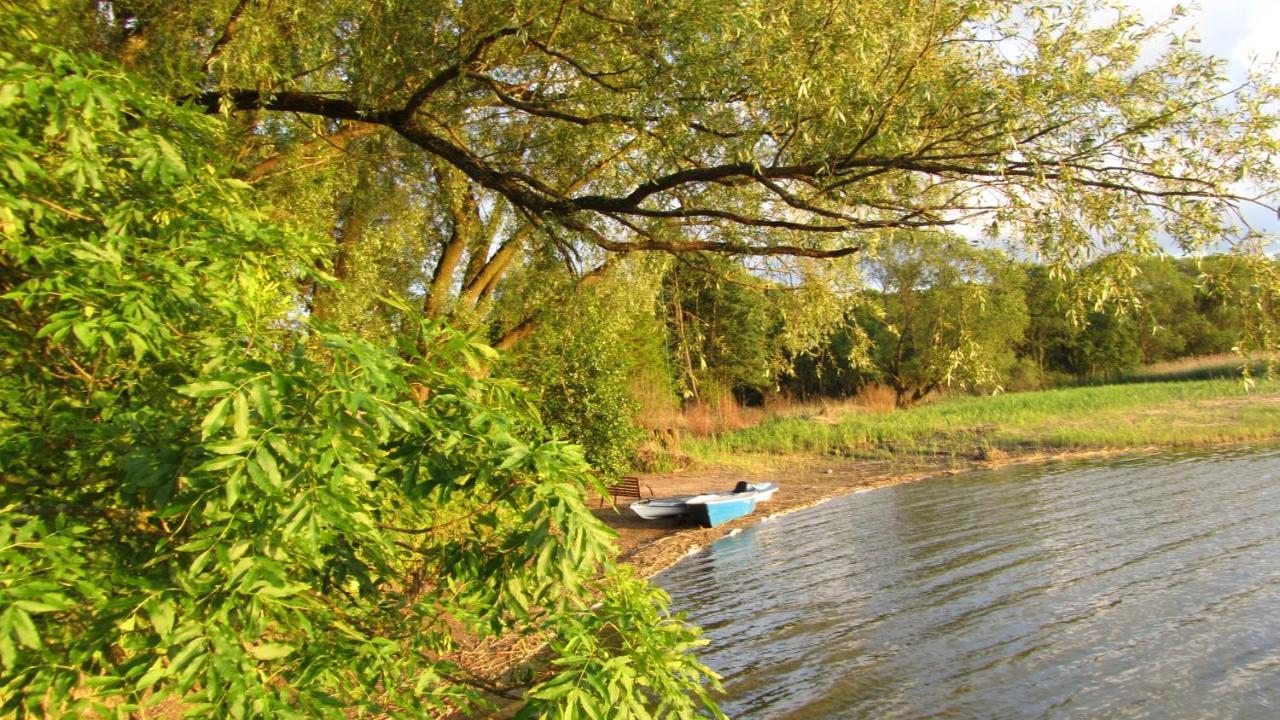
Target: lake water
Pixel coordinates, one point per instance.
(1145, 587)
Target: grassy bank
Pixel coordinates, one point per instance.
(1169, 414)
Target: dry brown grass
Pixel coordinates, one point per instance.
(724, 414)
(876, 398)
(705, 419)
(1229, 361)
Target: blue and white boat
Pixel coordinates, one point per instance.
(661, 507)
(715, 509)
(708, 509)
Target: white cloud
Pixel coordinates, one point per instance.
(1234, 30)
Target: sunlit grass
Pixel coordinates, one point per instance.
(1204, 367)
(1166, 414)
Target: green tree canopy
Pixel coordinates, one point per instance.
(949, 314)
(722, 327)
(208, 496)
(750, 127)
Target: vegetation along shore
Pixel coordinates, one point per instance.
(823, 454)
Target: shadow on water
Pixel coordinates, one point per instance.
(1143, 587)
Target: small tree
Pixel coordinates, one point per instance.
(950, 315)
(1166, 317)
(579, 362)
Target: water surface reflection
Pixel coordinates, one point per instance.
(1146, 587)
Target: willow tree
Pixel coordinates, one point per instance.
(945, 315)
(801, 128)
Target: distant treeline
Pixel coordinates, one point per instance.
(690, 344)
(946, 316)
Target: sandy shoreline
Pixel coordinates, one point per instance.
(652, 546)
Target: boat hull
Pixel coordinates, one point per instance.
(712, 511)
(764, 491)
(655, 509)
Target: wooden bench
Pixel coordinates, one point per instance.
(628, 486)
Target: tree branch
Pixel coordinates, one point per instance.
(443, 77)
(536, 198)
(228, 33)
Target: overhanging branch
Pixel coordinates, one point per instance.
(539, 199)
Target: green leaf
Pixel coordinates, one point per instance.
(232, 488)
(16, 168)
(553, 692)
(24, 629)
(8, 653)
(271, 651)
(214, 420)
(280, 591)
(35, 607)
(232, 447)
(205, 389)
(221, 463)
(267, 462)
(261, 394)
(238, 550)
(161, 614)
(186, 653)
(241, 425)
(85, 333)
(154, 674)
(282, 448)
(515, 456)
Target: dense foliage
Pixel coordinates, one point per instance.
(441, 143)
(1174, 308)
(722, 326)
(1025, 326)
(580, 361)
(207, 497)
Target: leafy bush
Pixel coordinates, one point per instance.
(205, 497)
(579, 364)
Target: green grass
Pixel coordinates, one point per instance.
(1165, 414)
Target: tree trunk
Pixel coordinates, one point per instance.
(352, 224)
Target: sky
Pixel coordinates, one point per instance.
(1230, 29)
(1234, 30)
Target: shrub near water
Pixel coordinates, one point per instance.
(205, 498)
(578, 364)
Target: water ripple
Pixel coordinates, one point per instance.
(1145, 587)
